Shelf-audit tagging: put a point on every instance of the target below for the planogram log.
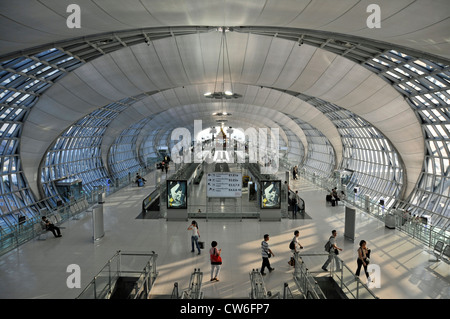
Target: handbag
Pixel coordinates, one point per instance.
(216, 258)
(291, 262)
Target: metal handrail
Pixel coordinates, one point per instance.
(18, 234)
(258, 289)
(175, 294)
(194, 290)
(103, 284)
(305, 282)
(309, 287)
(425, 233)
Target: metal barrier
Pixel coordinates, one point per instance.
(305, 282)
(15, 236)
(29, 228)
(287, 293)
(414, 227)
(258, 289)
(195, 286)
(306, 264)
(175, 294)
(137, 267)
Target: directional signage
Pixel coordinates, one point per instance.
(224, 185)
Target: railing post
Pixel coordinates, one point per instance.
(357, 288)
(285, 287)
(429, 239)
(95, 288)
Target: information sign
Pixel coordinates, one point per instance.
(224, 184)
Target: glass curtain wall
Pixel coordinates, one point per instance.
(295, 151)
(22, 81)
(320, 159)
(149, 148)
(377, 170)
(426, 86)
(76, 154)
(123, 157)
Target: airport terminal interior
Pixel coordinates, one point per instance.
(123, 122)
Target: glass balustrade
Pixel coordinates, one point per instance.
(139, 267)
(309, 275)
(417, 227)
(21, 232)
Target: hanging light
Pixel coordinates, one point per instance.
(223, 94)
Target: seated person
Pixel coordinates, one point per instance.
(334, 194)
(51, 227)
(140, 180)
(334, 197)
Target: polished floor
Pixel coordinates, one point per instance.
(38, 269)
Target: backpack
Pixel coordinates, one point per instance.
(327, 246)
(292, 245)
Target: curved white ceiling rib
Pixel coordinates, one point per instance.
(269, 109)
(32, 23)
(184, 116)
(256, 61)
(253, 118)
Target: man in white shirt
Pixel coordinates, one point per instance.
(333, 252)
(297, 247)
(297, 244)
(266, 253)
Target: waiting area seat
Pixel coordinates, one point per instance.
(40, 231)
(446, 253)
(441, 252)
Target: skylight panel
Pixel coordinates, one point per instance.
(414, 69)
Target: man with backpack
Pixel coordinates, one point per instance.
(295, 247)
(333, 251)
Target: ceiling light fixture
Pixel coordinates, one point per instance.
(223, 50)
(221, 114)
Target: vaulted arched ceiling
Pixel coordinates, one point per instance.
(178, 62)
(171, 64)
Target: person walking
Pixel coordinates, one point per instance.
(363, 259)
(166, 167)
(295, 172)
(266, 253)
(296, 202)
(295, 247)
(216, 261)
(285, 193)
(195, 235)
(333, 251)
